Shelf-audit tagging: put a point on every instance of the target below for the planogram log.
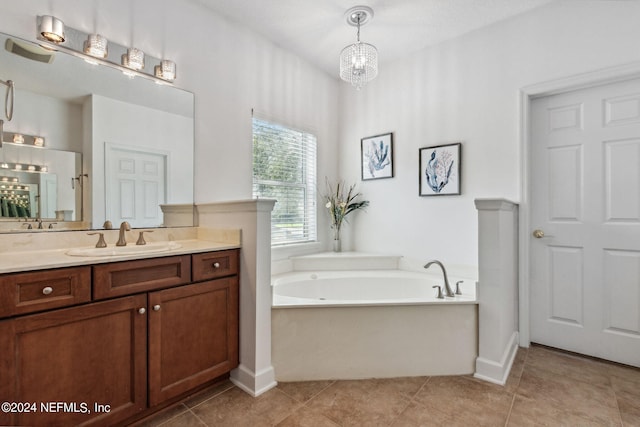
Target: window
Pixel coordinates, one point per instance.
(284, 169)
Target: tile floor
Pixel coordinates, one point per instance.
(546, 388)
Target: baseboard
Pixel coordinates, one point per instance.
(497, 372)
(253, 383)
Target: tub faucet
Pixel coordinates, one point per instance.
(122, 241)
(447, 288)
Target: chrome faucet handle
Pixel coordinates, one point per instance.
(101, 243)
(141, 240)
(439, 291)
(458, 291)
(51, 224)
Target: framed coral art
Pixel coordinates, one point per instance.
(377, 156)
(440, 170)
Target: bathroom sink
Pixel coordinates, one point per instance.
(125, 250)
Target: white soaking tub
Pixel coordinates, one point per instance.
(370, 324)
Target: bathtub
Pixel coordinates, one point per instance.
(351, 324)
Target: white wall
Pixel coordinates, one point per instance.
(229, 68)
(467, 90)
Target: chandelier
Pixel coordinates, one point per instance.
(359, 61)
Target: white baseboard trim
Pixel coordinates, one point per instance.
(254, 383)
(498, 372)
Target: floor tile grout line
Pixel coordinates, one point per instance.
(186, 409)
(296, 408)
(210, 397)
(198, 418)
(312, 396)
(513, 400)
(397, 417)
(615, 395)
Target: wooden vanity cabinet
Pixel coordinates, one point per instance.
(193, 336)
(131, 352)
(85, 355)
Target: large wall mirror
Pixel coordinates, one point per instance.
(115, 148)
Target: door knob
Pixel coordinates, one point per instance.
(538, 234)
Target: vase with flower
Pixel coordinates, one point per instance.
(340, 202)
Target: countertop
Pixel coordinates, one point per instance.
(35, 258)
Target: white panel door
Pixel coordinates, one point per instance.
(585, 199)
(135, 186)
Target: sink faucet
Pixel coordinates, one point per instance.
(447, 288)
(122, 241)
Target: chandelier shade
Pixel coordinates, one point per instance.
(359, 61)
(359, 64)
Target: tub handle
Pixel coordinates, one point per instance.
(458, 291)
(439, 291)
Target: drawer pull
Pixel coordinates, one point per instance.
(216, 265)
(47, 290)
(142, 310)
(156, 307)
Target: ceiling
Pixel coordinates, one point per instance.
(316, 30)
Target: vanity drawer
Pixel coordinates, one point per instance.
(211, 265)
(42, 290)
(131, 277)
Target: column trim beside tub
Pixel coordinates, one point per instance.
(497, 288)
(255, 374)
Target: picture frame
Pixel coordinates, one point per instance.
(440, 170)
(376, 157)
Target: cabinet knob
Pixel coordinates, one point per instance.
(156, 307)
(216, 265)
(142, 310)
(47, 290)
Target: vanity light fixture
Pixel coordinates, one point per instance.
(17, 167)
(52, 29)
(31, 168)
(166, 70)
(96, 45)
(95, 49)
(359, 61)
(133, 59)
(4, 166)
(18, 138)
(44, 169)
(38, 141)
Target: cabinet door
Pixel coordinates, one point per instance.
(193, 336)
(68, 361)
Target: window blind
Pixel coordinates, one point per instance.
(284, 169)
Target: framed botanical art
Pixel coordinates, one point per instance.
(440, 170)
(377, 156)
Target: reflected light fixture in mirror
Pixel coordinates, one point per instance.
(23, 139)
(52, 29)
